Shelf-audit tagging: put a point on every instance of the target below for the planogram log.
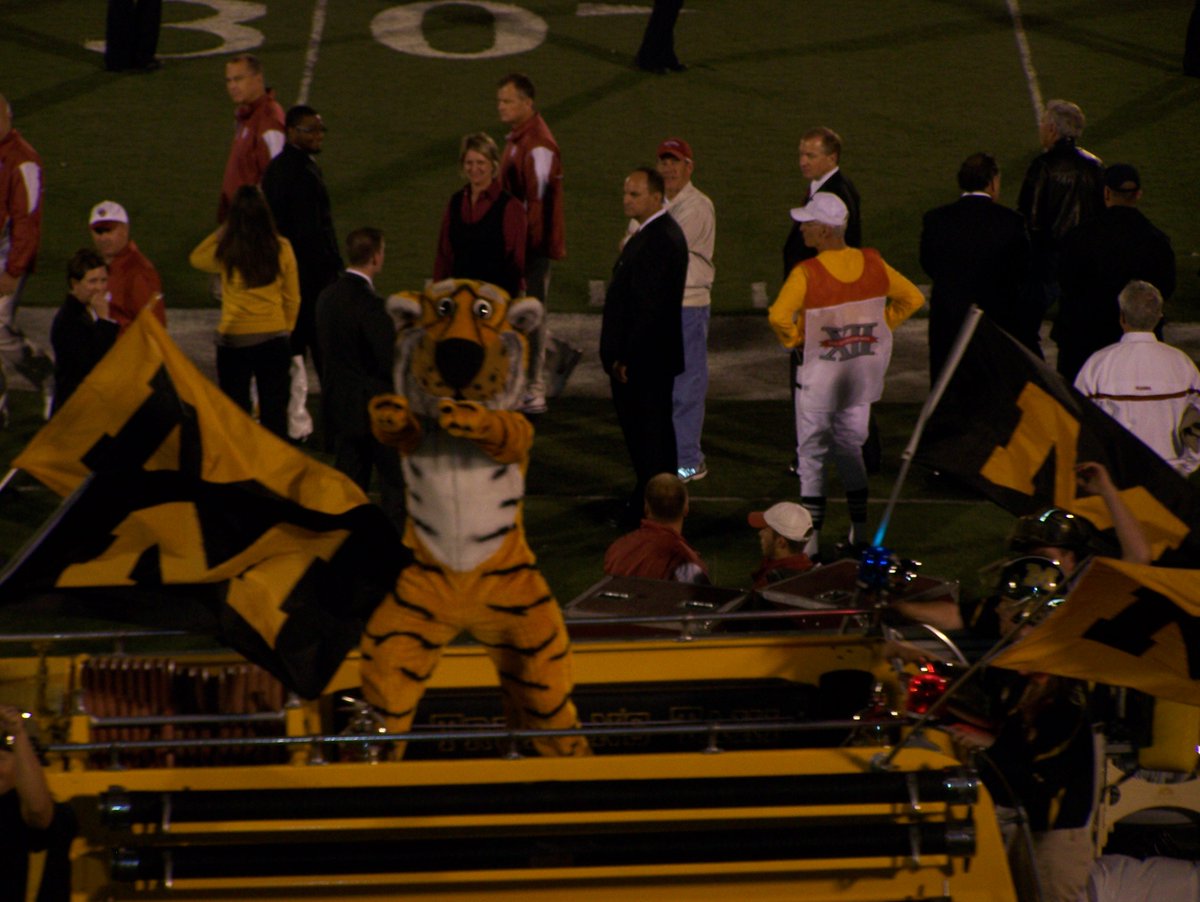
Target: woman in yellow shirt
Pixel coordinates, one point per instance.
(260, 299)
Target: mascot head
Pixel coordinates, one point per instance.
(462, 339)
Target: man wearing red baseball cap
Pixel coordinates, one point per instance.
(693, 210)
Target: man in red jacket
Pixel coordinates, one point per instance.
(657, 549)
(259, 135)
(531, 171)
(20, 234)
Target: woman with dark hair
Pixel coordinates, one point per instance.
(83, 330)
(260, 299)
(484, 228)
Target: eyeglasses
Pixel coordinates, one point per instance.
(103, 228)
(311, 129)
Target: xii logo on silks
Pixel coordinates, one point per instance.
(848, 341)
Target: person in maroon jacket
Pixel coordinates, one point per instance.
(133, 282)
(483, 229)
(531, 171)
(657, 548)
(783, 531)
(259, 134)
(20, 234)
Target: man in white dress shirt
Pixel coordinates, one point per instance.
(1145, 385)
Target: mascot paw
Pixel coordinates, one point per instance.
(391, 422)
(469, 420)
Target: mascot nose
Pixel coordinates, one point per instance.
(458, 360)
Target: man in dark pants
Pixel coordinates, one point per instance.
(1063, 187)
(641, 336)
(131, 35)
(977, 252)
(657, 53)
(357, 340)
(295, 189)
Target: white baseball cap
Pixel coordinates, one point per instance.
(108, 211)
(826, 208)
(789, 519)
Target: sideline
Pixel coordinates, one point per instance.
(314, 50)
(1031, 76)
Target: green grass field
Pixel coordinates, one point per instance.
(913, 86)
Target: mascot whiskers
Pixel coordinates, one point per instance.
(459, 376)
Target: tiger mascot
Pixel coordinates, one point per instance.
(459, 374)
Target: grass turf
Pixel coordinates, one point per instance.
(913, 85)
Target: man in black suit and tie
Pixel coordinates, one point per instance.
(641, 336)
(820, 153)
(977, 252)
(357, 339)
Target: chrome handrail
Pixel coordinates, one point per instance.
(502, 733)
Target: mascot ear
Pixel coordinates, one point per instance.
(404, 307)
(525, 314)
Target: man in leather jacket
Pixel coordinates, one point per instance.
(1063, 187)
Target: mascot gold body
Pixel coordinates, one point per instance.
(459, 374)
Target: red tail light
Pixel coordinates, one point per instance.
(924, 688)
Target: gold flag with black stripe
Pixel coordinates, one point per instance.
(1125, 625)
(172, 485)
(1011, 427)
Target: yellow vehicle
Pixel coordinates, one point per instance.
(725, 764)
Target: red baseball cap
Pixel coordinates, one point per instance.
(676, 147)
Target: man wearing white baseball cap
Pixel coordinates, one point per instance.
(133, 281)
(840, 307)
(783, 531)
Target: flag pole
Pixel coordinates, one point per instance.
(970, 322)
(8, 478)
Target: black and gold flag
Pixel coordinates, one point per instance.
(175, 492)
(1125, 625)
(1014, 429)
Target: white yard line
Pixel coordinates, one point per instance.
(314, 50)
(610, 9)
(1031, 76)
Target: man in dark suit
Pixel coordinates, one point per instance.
(641, 336)
(820, 156)
(977, 252)
(357, 341)
(295, 190)
(1097, 260)
(657, 52)
(131, 35)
